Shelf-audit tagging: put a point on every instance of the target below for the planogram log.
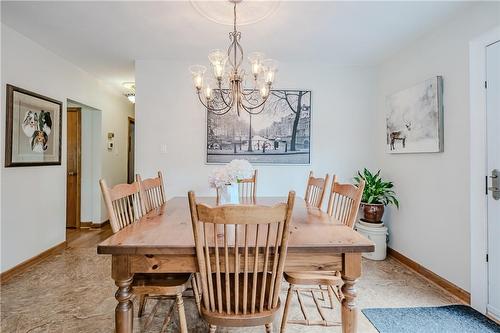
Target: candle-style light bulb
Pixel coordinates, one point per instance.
(197, 71)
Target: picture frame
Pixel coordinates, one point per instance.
(280, 134)
(33, 129)
(414, 118)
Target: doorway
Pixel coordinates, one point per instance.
(73, 167)
(131, 150)
(493, 178)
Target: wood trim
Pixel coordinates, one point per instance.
(20, 268)
(453, 289)
(131, 120)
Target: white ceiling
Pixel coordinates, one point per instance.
(104, 38)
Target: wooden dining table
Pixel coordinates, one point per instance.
(162, 242)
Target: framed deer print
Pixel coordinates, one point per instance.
(414, 118)
(33, 129)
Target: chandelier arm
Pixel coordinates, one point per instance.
(249, 91)
(223, 99)
(214, 110)
(250, 110)
(253, 107)
(249, 101)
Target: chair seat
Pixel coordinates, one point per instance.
(160, 283)
(314, 278)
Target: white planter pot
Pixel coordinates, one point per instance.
(377, 234)
(229, 194)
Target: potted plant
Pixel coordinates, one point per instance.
(376, 195)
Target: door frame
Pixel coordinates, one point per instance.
(131, 120)
(478, 169)
(78, 163)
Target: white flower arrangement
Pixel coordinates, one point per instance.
(230, 173)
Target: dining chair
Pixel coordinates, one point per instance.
(247, 188)
(153, 196)
(152, 191)
(343, 206)
(315, 190)
(125, 206)
(241, 251)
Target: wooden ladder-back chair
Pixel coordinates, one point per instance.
(247, 188)
(152, 191)
(241, 251)
(315, 190)
(125, 206)
(343, 206)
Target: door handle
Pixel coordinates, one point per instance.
(71, 173)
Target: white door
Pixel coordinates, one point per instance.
(493, 181)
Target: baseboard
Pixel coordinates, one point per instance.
(91, 224)
(10, 273)
(431, 276)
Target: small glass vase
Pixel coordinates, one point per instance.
(229, 194)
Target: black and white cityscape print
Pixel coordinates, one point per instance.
(280, 134)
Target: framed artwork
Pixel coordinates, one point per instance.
(414, 118)
(280, 134)
(33, 129)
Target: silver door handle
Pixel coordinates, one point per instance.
(71, 173)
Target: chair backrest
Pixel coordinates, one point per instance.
(247, 188)
(152, 191)
(315, 190)
(124, 204)
(344, 201)
(232, 283)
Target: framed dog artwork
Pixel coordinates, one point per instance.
(33, 129)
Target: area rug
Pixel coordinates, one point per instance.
(440, 319)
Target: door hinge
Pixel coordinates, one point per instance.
(485, 84)
(486, 257)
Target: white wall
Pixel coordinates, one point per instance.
(432, 226)
(168, 112)
(33, 198)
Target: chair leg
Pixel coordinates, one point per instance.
(212, 328)
(269, 328)
(182, 313)
(142, 304)
(167, 319)
(331, 295)
(287, 308)
(196, 293)
(149, 319)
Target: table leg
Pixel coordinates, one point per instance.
(350, 273)
(124, 311)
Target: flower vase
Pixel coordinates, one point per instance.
(229, 194)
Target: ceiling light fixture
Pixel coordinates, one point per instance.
(224, 91)
(131, 94)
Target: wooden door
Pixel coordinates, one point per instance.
(131, 150)
(73, 168)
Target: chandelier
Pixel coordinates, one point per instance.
(225, 90)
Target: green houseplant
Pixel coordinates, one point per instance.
(376, 195)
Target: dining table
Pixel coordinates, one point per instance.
(162, 242)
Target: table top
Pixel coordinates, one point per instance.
(168, 230)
